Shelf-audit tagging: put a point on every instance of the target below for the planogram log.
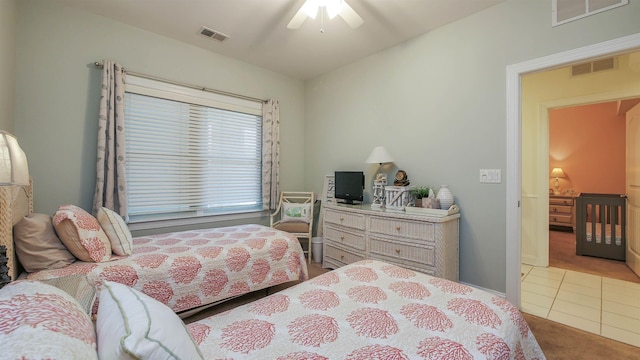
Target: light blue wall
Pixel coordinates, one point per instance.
(58, 86)
(438, 104)
(7, 63)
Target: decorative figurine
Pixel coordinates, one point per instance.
(401, 179)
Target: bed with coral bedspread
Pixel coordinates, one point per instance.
(184, 270)
(370, 310)
(190, 269)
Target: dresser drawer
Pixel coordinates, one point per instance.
(561, 219)
(559, 201)
(351, 220)
(344, 237)
(338, 255)
(403, 228)
(424, 255)
(557, 209)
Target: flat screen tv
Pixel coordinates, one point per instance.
(349, 186)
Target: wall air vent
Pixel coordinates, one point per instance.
(564, 11)
(593, 66)
(213, 34)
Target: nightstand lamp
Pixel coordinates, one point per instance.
(379, 155)
(13, 162)
(557, 173)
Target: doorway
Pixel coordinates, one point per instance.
(514, 168)
(527, 202)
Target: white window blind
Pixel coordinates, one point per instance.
(190, 153)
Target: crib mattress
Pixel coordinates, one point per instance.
(607, 238)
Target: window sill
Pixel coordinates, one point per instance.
(260, 216)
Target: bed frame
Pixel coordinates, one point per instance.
(601, 214)
(16, 202)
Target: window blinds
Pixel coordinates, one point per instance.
(187, 158)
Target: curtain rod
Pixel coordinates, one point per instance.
(220, 92)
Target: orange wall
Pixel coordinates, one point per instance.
(588, 143)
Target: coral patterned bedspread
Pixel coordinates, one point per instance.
(193, 268)
(370, 310)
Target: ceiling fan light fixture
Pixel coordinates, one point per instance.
(334, 7)
(311, 8)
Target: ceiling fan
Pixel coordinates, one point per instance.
(311, 8)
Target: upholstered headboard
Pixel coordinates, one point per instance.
(16, 202)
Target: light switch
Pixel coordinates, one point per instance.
(491, 176)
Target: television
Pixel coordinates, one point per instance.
(349, 186)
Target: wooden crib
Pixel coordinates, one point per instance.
(601, 225)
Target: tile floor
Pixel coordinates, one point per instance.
(600, 305)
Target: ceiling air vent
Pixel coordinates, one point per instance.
(213, 34)
(593, 66)
(564, 11)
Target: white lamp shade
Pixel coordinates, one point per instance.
(379, 155)
(557, 173)
(14, 169)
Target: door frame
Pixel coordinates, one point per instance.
(514, 142)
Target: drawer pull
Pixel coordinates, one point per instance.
(398, 251)
(555, 209)
(341, 257)
(555, 219)
(398, 228)
(341, 238)
(341, 219)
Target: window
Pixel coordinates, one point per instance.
(189, 152)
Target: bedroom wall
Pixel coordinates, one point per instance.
(57, 93)
(588, 143)
(438, 104)
(7, 64)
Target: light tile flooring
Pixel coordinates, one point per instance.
(600, 305)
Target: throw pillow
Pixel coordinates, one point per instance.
(117, 231)
(292, 212)
(37, 245)
(133, 325)
(41, 321)
(81, 233)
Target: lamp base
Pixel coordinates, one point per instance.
(557, 193)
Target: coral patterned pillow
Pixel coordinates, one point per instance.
(39, 321)
(117, 231)
(81, 233)
(133, 325)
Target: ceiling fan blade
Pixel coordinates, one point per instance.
(297, 19)
(350, 16)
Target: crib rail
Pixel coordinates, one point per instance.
(601, 225)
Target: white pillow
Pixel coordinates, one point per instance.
(292, 212)
(132, 325)
(117, 231)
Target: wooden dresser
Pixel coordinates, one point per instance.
(424, 243)
(562, 211)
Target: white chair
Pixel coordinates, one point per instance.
(294, 215)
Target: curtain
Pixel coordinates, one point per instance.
(270, 153)
(111, 187)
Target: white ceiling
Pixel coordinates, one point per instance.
(258, 33)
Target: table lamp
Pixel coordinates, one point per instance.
(557, 173)
(379, 155)
(14, 169)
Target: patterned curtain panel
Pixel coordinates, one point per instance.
(111, 187)
(270, 153)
